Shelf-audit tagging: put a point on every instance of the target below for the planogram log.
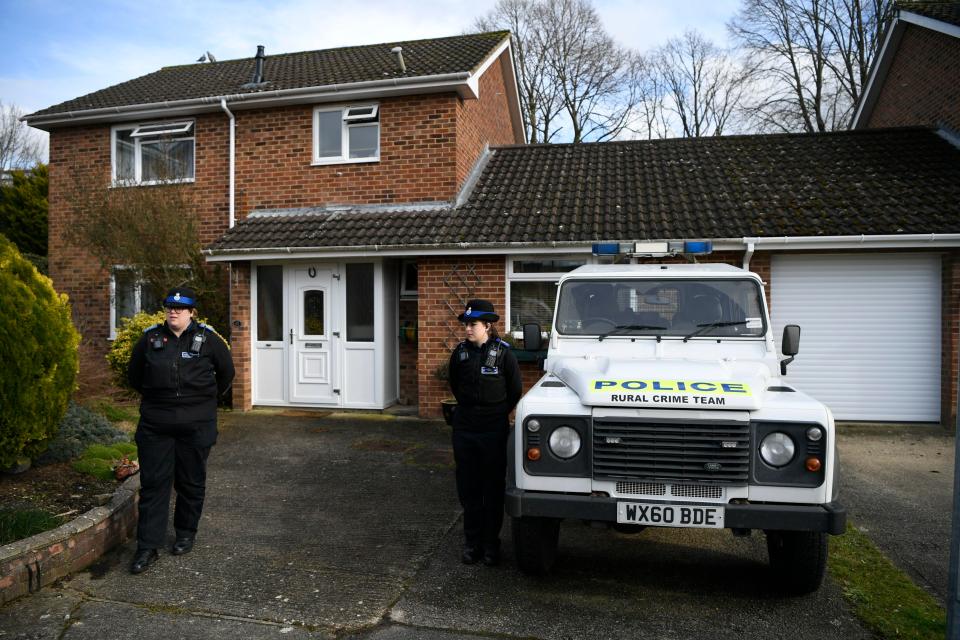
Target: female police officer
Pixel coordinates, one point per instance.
(485, 378)
(180, 367)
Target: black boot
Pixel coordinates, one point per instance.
(471, 554)
(182, 546)
(142, 559)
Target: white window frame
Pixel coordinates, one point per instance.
(351, 117)
(551, 276)
(179, 131)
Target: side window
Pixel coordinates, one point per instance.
(360, 318)
(346, 134)
(152, 153)
(270, 302)
(533, 288)
(129, 295)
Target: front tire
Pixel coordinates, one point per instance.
(798, 560)
(535, 544)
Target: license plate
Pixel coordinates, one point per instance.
(670, 515)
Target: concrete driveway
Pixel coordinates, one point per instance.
(338, 526)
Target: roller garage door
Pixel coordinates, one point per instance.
(870, 332)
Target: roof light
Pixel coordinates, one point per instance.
(698, 247)
(606, 248)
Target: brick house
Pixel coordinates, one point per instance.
(346, 273)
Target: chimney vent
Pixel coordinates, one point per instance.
(258, 70)
(398, 51)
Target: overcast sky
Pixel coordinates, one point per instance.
(56, 50)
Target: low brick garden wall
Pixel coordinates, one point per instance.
(29, 564)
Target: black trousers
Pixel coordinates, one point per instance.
(172, 456)
(481, 459)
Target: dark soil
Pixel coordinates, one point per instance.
(54, 488)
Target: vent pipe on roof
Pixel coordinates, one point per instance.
(398, 51)
(258, 70)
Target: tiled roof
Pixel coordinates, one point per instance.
(893, 181)
(948, 12)
(423, 58)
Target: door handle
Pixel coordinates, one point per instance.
(291, 335)
(336, 333)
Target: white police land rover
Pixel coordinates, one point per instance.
(664, 404)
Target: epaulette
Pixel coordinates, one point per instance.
(204, 325)
(152, 327)
(503, 342)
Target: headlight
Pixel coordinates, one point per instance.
(565, 442)
(777, 449)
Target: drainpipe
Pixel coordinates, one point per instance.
(233, 126)
(748, 254)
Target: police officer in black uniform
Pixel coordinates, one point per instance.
(180, 368)
(485, 378)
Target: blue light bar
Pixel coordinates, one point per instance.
(698, 247)
(606, 248)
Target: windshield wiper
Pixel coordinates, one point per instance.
(702, 328)
(627, 327)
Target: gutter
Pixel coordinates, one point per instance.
(889, 241)
(797, 243)
(254, 99)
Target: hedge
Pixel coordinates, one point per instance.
(38, 349)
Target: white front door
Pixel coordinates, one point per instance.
(312, 337)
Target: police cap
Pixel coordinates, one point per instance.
(180, 298)
(478, 310)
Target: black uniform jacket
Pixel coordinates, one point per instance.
(487, 389)
(180, 385)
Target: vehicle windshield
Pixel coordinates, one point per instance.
(676, 308)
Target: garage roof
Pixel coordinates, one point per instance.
(870, 182)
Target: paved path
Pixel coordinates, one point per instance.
(320, 527)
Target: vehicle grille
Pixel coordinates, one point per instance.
(705, 452)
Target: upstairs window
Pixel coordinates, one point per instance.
(346, 134)
(154, 152)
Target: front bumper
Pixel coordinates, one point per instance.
(829, 518)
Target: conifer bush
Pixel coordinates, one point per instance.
(38, 349)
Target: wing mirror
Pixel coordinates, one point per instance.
(790, 346)
(532, 340)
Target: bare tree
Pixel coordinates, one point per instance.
(810, 59)
(151, 230)
(20, 147)
(703, 85)
(572, 74)
(539, 97)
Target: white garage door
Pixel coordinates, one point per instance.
(870, 332)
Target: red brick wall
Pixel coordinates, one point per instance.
(922, 86)
(444, 284)
(485, 121)
(240, 317)
(417, 158)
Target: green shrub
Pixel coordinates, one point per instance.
(96, 467)
(38, 349)
(80, 428)
(98, 459)
(16, 524)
